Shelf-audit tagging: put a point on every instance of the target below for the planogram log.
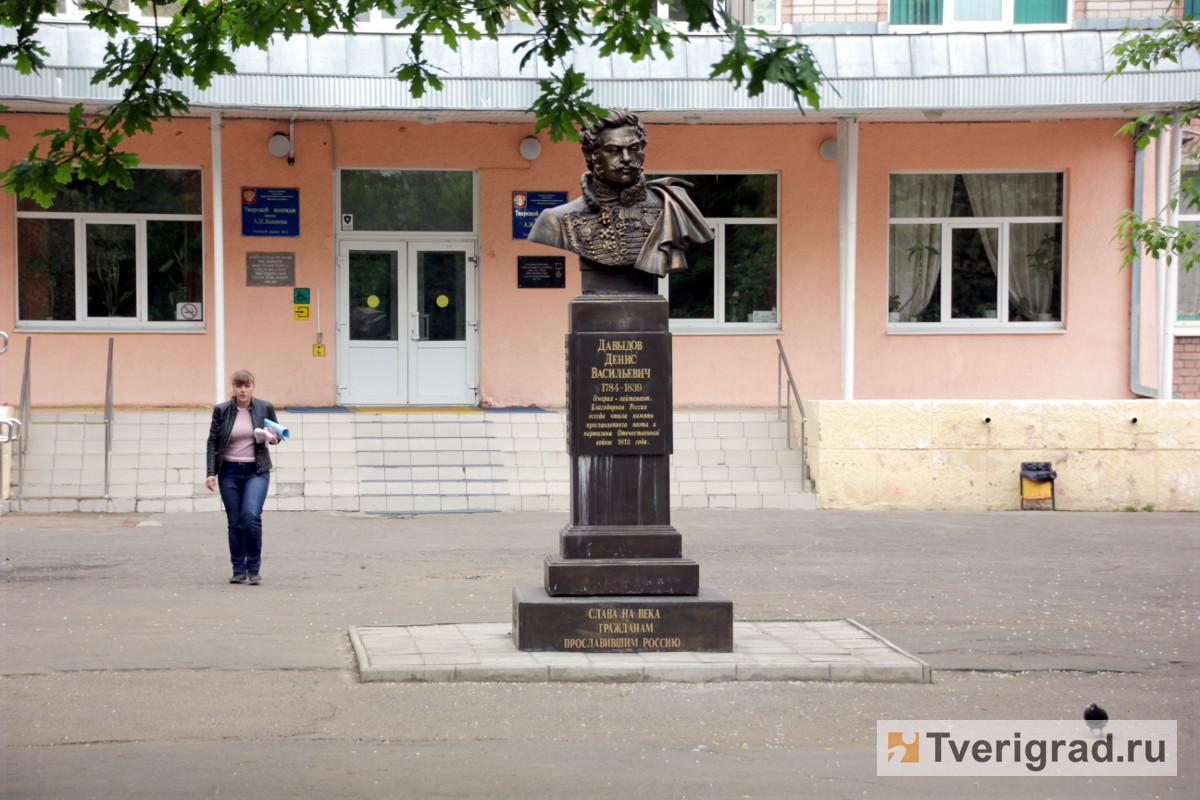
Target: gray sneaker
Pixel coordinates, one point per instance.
(239, 577)
(255, 578)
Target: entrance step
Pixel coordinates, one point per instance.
(455, 461)
(427, 463)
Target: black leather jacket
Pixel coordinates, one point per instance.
(222, 424)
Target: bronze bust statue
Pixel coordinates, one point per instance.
(627, 232)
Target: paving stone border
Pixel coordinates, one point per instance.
(764, 650)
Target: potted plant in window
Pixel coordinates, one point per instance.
(1044, 263)
(923, 261)
(112, 296)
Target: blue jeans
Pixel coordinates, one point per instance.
(243, 491)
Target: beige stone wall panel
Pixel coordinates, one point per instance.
(849, 481)
(1016, 424)
(959, 424)
(1178, 481)
(847, 425)
(1178, 425)
(910, 454)
(903, 424)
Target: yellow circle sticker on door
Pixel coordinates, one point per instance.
(373, 301)
(443, 301)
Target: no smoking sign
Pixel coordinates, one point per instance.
(188, 312)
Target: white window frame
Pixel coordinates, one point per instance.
(72, 12)
(719, 226)
(136, 324)
(1004, 23)
(1001, 323)
(738, 9)
(360, 235)
(377, 21)
(1189, 327)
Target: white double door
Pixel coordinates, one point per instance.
(408, 328)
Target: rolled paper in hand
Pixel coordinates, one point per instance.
(281, 431)
(260, 434)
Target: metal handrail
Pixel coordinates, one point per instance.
(23, 416)
(10, 428)
(10, 431)
(22, 423)
(793, 392)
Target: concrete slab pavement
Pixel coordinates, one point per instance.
(131, 668)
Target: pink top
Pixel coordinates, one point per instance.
(241, 438)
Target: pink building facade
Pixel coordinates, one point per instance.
(940, 229)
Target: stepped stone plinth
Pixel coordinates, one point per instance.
(620, 581)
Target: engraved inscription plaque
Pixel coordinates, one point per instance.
(622, 624)
(541, 272)
(270, 269)
(620, 393)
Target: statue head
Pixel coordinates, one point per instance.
(614, 148)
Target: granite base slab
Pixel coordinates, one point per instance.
(764, 650)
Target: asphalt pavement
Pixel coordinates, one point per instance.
(131, 668)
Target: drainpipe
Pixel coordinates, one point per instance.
(1135, 283)
(1168, 269)
(218, 296)
(847, 139)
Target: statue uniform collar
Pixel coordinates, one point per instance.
(598, 193)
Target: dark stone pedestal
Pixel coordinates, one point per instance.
(620, 541)
(611, 576)
(702, 623)
(620, 581)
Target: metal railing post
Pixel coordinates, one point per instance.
(108, 420)
(23, 416)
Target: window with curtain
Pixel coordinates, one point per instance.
(732, 282)
(1188, 308)
(757, 13)
(978, 13)
(143, 12)
(106, 257)
(975, 249)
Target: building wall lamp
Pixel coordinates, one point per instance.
(280, 145)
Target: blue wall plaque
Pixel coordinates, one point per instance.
(527, 205)
(270, 211)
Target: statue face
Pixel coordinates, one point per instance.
(619, 160)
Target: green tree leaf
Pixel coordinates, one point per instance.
(146, 61)
(1152, 236)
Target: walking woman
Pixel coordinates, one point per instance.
(239, 463)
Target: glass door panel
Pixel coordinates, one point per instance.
(441, 295)
(372, 355)
(442, 323)
(374, 316)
